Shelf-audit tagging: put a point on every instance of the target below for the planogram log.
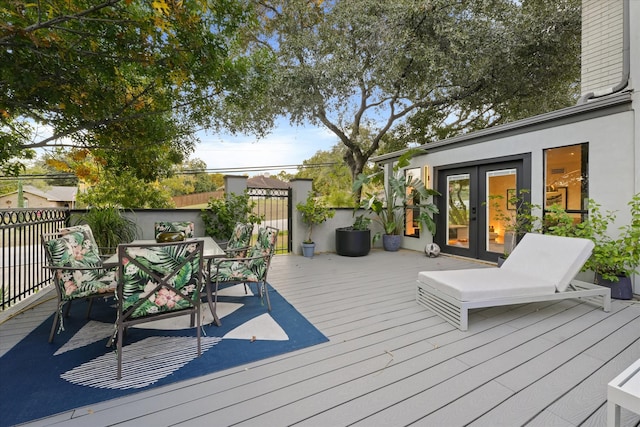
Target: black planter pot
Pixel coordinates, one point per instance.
(621, 289)
(350, 242)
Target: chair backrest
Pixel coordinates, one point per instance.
(185, 227)
(158, 278)
(265, 245)
(83, 228)
(74, 249)
(554, 259)
(241, 236)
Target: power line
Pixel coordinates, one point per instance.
(61, 176)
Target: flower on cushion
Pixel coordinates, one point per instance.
(166, 297)
(78, 252)
(70, 287)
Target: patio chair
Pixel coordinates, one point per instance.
(238, 243)
(541, 268)
(77, 271)
(157, 281)
(250, 269)
(185, 227)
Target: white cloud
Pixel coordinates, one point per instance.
(286, 145)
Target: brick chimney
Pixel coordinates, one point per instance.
(605, 64)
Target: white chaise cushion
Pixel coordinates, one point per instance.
(551, 258)
(486, 284)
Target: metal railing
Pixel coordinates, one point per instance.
(22, 254)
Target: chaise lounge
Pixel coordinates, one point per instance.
(541, 268)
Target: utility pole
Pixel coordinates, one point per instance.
(20, 194)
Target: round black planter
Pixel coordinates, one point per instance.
(621, 289)
(350, 242)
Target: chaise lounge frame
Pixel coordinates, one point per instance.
(456, 311)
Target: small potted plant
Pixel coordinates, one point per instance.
(314, 212)
(354, 240)
(389, 206)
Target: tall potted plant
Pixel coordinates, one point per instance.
(389, 206)
(314, 212)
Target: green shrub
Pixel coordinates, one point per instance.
(109, 227)
(221, 215)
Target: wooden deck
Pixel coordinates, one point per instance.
(391, 362)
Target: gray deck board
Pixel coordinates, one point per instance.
(392, 362)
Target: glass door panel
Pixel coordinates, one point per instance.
(501, 187)
(458, 210)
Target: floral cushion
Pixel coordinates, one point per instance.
(150, 296)
(83, 228)
(265, 245)
(240, 238)
(253, 270)
(185, 227)
(76, 249)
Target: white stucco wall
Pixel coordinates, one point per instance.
(613, 160)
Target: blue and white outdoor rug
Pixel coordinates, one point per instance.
(38, 379)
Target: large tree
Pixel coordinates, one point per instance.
(351, 65)
(131, 80)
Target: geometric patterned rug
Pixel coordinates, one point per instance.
(38, 379)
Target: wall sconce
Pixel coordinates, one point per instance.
(427, 177)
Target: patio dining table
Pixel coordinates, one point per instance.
(210, 252)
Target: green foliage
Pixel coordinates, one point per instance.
(221, 215)
(109, 227)
(614, 254)
(361, 223)
(331, 180)
(130, 80)
(361, 67)
(399, 193)
(314, 212)
(126, 191)
(190, 177)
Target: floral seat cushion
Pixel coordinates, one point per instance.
(147, 295)
(80, 273)
(240, 238)
(185, 227)
(254, 268)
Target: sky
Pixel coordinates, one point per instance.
(285, 145)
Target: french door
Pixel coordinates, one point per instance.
(471, 196)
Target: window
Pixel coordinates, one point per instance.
(567, 179)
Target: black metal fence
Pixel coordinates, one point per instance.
(275, 206)
(22, 254)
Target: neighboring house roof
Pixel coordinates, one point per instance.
(53, 194)
(262, 181)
